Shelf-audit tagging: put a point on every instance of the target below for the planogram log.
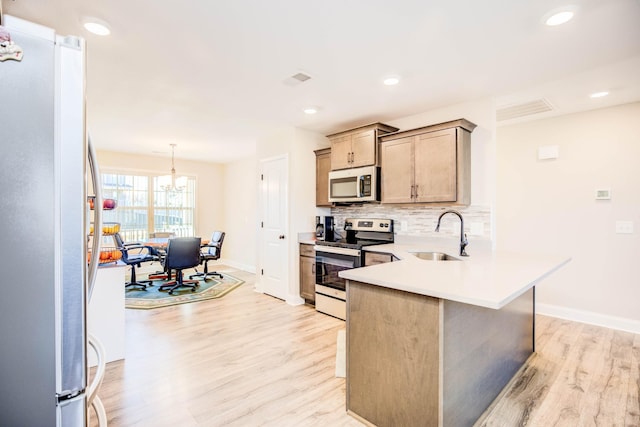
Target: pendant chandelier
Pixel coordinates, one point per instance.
(173, 188)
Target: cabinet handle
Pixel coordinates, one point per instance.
(352, 157)
(412, 191)
(416, 191)
(313, 268)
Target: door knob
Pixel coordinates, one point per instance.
(281, 237)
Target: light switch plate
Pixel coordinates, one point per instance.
(404, 226)
(624, 227)
(548, 152)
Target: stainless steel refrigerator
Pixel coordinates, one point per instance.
(43, 216)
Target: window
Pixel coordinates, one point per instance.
(146, 204)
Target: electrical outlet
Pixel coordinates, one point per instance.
(624, 227)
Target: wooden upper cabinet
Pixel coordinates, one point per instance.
(428, 165)
(357, 147)
(397, 171)
(363, 148)
(435, 167)
(340, 152)
(323, 166)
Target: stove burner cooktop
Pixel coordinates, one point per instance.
(343, 243)
(363, 232)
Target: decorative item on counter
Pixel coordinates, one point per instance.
(8, 49)
(107, 204)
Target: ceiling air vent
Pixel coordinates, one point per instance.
(296, 79)
(302, 77)
(525, 109)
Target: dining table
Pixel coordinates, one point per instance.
(162, 243)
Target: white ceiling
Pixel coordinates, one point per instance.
(210, 76)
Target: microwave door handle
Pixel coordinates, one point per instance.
(360, 186)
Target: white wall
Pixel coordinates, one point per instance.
(549, 206)
(239, 205)
(209, 179)
(298, 146)
(302, 189)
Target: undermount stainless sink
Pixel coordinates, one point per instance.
(434, 256)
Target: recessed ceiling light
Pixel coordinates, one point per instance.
(310, 110)
(559, 16)
(96, 26)
(391, 80)
(599, 94)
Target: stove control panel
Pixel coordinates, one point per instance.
(369, 224)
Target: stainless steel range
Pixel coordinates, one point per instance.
(344, 254)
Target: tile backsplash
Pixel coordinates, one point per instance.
(420, 220)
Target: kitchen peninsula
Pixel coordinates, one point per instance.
(434, 342)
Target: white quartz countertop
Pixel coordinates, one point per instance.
(486, 278)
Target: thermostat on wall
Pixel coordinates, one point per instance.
(603, 194)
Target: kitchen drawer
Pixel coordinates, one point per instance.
(373, 258)
(307, 250)
(331, 306)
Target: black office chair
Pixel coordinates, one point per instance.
(182, 253)
(134, 254)
(210, 252)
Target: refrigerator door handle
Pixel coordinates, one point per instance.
(97, 219)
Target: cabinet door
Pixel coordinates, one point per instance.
(363, 147)
(308, 278)
(397, 170)
(323, 166)
(341, 152)
(436, 166)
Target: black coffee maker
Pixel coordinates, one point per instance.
(324, 228)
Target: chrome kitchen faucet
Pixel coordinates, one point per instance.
(463, 237)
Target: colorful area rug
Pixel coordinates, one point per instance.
(153, 298)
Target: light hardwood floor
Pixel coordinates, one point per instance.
(581, 375)
(248, 359)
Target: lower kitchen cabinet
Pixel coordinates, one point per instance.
(307, 272)
(373, 258)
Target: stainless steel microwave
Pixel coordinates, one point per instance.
(355, 185)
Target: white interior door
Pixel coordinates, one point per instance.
(274, 271)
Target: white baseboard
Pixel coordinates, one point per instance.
(590, 317)
(238, 265)
(294, 300)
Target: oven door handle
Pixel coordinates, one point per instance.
(337, 250)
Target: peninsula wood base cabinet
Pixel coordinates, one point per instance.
(415, 360)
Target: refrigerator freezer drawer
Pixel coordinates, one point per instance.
(72, 412)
